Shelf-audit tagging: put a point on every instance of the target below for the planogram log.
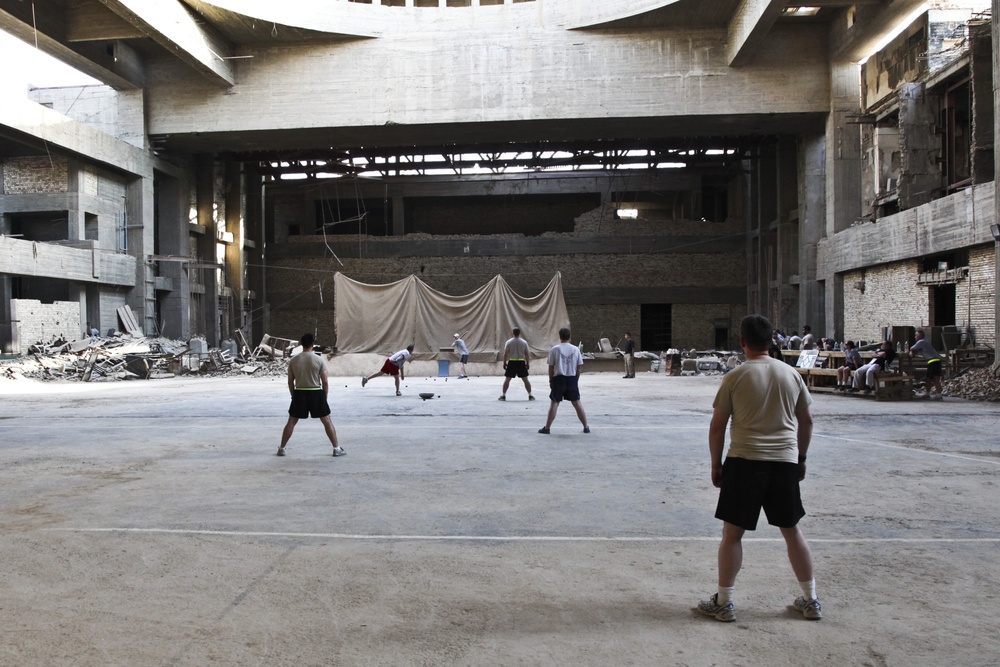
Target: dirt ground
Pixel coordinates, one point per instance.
(149, 523)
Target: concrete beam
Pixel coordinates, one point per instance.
(92, 21)
(749, 27)
(851, 43)
(506, 247)
(49, 260)
(64, 134)
(958, 221)
(170, 25)
(97, 64)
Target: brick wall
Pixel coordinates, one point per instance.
(35, 322)
(891, 298)
(28, 175)
(693, 325)
(975, 302)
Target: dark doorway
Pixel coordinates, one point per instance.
(943, 305)
(721, 337)
(655, 326)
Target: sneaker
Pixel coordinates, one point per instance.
(937, 397)
(503, 397)
(281, 451)
(586, 429)
(811, 610)
(722, 612)
(543, 430)
(399, 393)
(339, 451)
(853, 390)
(364, 381)
(462, 377)
(530, 397)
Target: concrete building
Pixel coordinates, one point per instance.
(680, 162)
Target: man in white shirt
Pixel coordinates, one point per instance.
(565, 361)
(393, 366)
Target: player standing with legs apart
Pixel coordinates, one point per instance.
(771, 428)
(308, 384)
(515, 363)
(565, 362)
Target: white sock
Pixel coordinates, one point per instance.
(808, 589)
(725, 595)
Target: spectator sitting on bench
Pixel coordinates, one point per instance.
(867, 373)
(852, 362)
(808, 340)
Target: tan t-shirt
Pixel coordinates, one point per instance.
(762, 396)
(307, 368)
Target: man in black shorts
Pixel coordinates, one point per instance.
(515, 363)
(309, 386)
(565, 361)
(771, 428)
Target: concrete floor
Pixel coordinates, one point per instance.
(149, 523)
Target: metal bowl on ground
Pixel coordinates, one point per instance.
(426, 394)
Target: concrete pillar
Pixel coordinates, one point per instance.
(78, 292)
(6, 326)
(254, 242)
(172, 231)
(234, 270)
(843, 157)
(205, 197)
(76, 222)
(398, 226)
(814, 163)
(996, 181)
(139, 195)
(919, 147)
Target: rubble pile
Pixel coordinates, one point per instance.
(976, 384)
(129, 357)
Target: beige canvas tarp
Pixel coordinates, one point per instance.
(386, 318)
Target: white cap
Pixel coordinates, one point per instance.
(457, 336)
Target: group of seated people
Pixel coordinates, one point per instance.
(864, 374)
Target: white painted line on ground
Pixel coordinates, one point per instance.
(908, 449)
(521, 538)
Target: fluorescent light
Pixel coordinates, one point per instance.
(628, 213)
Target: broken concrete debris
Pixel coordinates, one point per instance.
(131, 357)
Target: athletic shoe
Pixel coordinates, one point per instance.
(937, 397)
(586, 429)
(721, 612)
(364, 381)
(399, 393)
(530, 397)
(543, 430)
(811, 610)
(853, 390)
(339, 451)
(503, 397)
(281, 451)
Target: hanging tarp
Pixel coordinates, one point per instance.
(383, 319)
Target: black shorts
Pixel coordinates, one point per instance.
(748, 486)
(464, 359)
(564, 386)
(516, 368)
(934, 369)
(308, 403)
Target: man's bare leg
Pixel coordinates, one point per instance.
(580, 413)
(331, 432)
(799, 554)
(286, 434)
(730, 554)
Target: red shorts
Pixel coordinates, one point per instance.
(390, 368)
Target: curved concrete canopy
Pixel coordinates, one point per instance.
(366, 20)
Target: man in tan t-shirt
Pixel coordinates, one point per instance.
(768, 404)
(308, 385)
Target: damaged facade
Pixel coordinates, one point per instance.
(218, 181)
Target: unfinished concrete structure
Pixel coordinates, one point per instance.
(240, 153)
